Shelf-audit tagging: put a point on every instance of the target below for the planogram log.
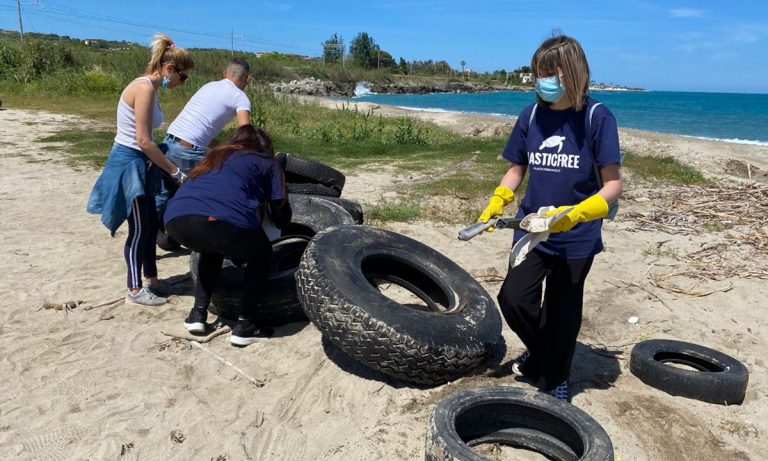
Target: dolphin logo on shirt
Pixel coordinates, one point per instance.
(553, 141)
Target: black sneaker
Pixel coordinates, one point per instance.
(195, 321)
(245, 333)
(561, 392)
(517, 364)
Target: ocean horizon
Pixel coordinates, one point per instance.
(728, 117)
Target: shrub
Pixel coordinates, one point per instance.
(10, 60)
(39, 58)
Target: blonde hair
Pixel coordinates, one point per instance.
(164, 50)
(564, 53)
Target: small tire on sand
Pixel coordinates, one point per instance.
(518, 417)
(711, 376)
(450, 331)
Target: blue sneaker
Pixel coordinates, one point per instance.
(561, 392)
(518, 363)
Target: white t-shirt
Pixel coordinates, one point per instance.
(207, 112)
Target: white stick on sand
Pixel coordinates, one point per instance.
(254, 381)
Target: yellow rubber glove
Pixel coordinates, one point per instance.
(501, 197)
(594, 207)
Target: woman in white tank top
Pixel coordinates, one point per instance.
(131, 177)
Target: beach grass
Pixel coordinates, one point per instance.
(89, 147)
(396, 211)
(451, 167)
(661, 169)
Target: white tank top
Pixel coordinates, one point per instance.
(126, 118)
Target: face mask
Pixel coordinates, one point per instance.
(549, 89)
(166, 81)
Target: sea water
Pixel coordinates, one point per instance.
(732, 117)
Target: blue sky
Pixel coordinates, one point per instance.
(659, 45)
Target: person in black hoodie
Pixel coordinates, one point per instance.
(217, 212)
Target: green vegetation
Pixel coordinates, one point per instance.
(400, 212)
(662, 169)
(59, 74)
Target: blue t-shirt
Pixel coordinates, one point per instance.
(560, 168)
(232, 194)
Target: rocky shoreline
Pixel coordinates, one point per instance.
(315, 87)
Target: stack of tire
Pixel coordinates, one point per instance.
(314, 191)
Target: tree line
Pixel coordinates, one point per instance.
(365, 53)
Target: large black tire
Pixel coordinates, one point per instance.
(352, 207)
(311, 215)
(166, 242)
(279, 304)
(312, 189)
(715, 378)
(336, 283)
(524, 418)
(300, 169)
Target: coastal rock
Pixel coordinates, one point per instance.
(315, 87)
(418, 87)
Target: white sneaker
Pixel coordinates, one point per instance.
(145, 298)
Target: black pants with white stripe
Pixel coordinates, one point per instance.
(140, 250)
(547, 327)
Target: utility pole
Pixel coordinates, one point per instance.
(232, 42)
(21, 27)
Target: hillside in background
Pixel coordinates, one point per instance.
(49, 62)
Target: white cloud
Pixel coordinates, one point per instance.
(748, 33)
(686, 13)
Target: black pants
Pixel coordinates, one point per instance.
(216, 239)
(549, 328)
(140, 251)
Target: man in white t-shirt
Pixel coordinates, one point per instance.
(204, 116)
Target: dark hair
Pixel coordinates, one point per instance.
(238, 67)
(565, 53)
(247, 138)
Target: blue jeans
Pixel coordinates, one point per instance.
(183, 157)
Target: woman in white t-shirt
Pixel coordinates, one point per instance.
(131, 177)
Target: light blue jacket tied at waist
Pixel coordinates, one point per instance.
(127, 174)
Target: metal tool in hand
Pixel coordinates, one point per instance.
(536, 224)
(502, 222)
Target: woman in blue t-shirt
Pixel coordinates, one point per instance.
(217, 212)
(557, 142)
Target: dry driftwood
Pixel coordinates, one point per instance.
(738, 209)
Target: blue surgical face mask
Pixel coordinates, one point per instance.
(166, 81)
(550, 89)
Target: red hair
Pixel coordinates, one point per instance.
(247, 138)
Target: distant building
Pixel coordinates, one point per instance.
(526, 77)
(93, 42)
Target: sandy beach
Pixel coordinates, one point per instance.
(97, 379)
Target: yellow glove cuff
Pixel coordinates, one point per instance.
(505, 194)
(594, 207)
